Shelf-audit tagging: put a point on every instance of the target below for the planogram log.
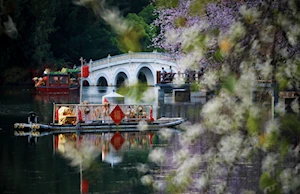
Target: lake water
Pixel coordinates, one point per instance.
(45, 167)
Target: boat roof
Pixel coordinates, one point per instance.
(113, 94)
(58, 74)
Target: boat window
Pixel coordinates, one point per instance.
(53, 79)
(63, 80)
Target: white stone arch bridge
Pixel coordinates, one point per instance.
(130, 68)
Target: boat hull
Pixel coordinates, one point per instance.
(51, 128)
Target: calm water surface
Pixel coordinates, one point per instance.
(26, 168)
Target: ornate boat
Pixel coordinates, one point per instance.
(57, 82)
(93, 118)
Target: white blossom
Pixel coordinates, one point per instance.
(147, 180)
(172, 36)
(251, 14)
(229, 147)
(193, 132)
(210, 79)
(280, 108)
(266, 69)
(158, 156)
(272, 126)
(181, 178)
(254, 111)
(142, 167)
(10, 28)
(159, 185)
(82, 154)
(191, 59)
(143, 125)
(269, 162)
(148, 96)
(189, 164)
(295, 105)
(286, 178)
(236, 31)
(202, 182)
(220, 188)
(165, 133)
(181, 155)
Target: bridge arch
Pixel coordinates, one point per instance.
(121, 77)
(145, 73)
(102, 80)
(129, 68)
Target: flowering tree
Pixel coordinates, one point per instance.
(241, 43)
(250, 50)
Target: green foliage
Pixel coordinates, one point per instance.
(135, 92)
(252, 125)
(271, 140)
(268, 183)
(198, 6)
(167, 3)
(199, 42)
(194, 87)
(284, 147)
(15, 76)
(147, 14)
(176, 188)
(290, 127)
(131, 39)
(229, 83)
(180, 22)
(218, 55)
(44, 12)
(283, 83)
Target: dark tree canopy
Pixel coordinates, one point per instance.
(57, 33)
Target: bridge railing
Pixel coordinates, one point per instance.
(132, 55)
(188, 77)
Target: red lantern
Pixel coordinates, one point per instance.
(85, 71)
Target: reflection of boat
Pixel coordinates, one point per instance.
(56, 97)
(92, 118)
(90, 153)
(111, 146)
(56, 83)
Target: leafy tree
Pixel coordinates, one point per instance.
(57, 33)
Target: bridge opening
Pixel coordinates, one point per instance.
(102, 82)
(120, 79)
(142, 78)
(85, 83)
(146, 76)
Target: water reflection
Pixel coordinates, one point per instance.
(105, 159)
(72, 97)
(34, 169)
(111, 146)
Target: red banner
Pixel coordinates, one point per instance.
(85, 71)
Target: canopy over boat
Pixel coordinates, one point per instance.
(113, 98)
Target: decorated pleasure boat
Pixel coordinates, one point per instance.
(93, 118)
(63, 81)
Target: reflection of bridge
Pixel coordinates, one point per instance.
(130, 67)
